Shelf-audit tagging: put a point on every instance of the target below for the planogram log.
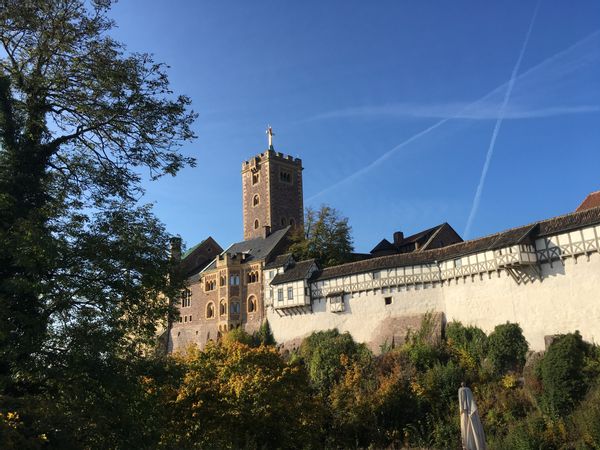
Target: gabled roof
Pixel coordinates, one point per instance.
(280, 260)
(299, 271)
(513, 236)
(197, 257)
(422, 239)
(591, 201)
(383, 246)
(255, 249)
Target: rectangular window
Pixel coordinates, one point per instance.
(271, 274)
(290, 293)
(376, 275)
(336, 303)
(190, 318)
(280, 294)
(458, 262)
(234, 280)
(306, 293)
(271, 294)
(388, 300)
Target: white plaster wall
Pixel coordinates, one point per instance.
(567, 299)
(362, 317)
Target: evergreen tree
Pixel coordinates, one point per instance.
(326, 237)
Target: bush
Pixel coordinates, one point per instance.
(422, 345)
(471, 339)
(323, 352)
(562, 376)
(507, 348)
(586, 418)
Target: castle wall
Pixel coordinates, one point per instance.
(548, 288)
(366, 315)
(566, 299)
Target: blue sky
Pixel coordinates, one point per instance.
(392, 106)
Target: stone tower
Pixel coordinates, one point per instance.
(271, 193)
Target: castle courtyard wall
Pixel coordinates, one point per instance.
(559, 293)
(566, 299)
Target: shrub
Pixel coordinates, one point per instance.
(507, 348)
(422, 345)
(586, 418)
(238, 335)
(471, 339)
(323, 352)
(561, 372)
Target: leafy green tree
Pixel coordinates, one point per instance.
(562, 375)
(84, 276)
(236, 396)
(325, 352)
(507, 347)
(326, 237)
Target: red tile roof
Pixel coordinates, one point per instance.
(591, 201)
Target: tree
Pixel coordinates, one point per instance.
(507, 347)
(562, 374)
(233, 395)
(323, 353)
(326, 237)
(84, 276)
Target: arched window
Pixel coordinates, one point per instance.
(251, 277)
(222, 280)
(255, 200)
(210, 310)
(234, 308)
(292, 222)
(255, 177)
(256, 224)
(283, 221)
(251, 303)
(222, 308)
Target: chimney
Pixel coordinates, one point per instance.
(398, 237)
(175, 249)
(266, 231)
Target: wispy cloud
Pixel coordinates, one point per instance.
(469, 111)
(537, 81)
(490, 151)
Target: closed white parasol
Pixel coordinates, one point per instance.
(471, 430)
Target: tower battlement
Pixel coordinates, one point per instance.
(271, 193)
(269, 155)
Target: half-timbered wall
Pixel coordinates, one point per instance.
(550, 287)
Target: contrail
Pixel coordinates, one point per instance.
(458, 115)
(490, 152)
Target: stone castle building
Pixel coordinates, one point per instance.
(544, 275)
